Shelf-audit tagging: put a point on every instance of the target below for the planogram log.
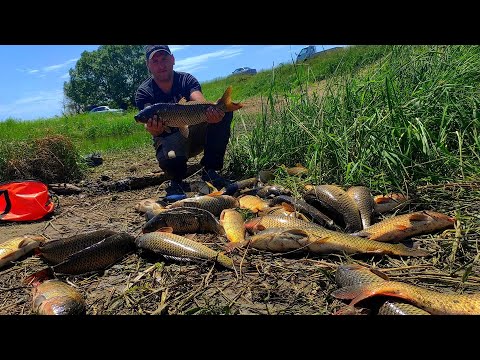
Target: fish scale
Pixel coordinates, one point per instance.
(434, 302)
(97, 256)
(327, 241)
(176, 246)
(56, 251)
(212, 203)
(183, 113)
(353, 274)
(184, 220)
(401, 227)
(16, 247)
(54, 297)
(337, 200)
(364, 200)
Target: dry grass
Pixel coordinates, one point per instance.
(262, 283)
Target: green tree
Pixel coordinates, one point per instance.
(107, 76)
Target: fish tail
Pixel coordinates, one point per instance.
(38, 277)
(406, 251)
(363, 291)
(226, 101)
(235, 245)
(224, 260)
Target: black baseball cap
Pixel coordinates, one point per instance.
(152, 49)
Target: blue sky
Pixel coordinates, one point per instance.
(32, 76)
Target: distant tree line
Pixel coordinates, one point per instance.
(107, 76)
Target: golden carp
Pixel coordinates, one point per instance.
(184, 220)
(98, 256)
(336, 203)
(202, 187)
(325, 241)
(400, 227)
(184, 114)
(308, 210)
(284, 210)
(233, 224)
(267, 190)
(240, 185)
(389, 202)
(148, 205)
(178, 247)
(252, 203)
(354, 274)
(16, 247)
(265, 176)
(297, 170)
(280, 239)
(214, 202)
(364, 200)
(54, 297)
(56, 251)
(434, 302)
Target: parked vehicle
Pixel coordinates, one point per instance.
(105, 109)
(245, 70)
(306, 53)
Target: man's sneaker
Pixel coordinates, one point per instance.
(177, 190)
(214, 178)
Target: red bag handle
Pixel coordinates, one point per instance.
(8, 204)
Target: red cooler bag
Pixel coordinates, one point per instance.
(27, 200)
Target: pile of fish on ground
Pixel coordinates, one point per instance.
(275, 254)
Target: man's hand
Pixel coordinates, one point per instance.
(214, 115)
(155, 126)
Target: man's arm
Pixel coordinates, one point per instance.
(214, 115)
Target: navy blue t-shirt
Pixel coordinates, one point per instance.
(149, 92)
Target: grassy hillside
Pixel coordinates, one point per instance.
(387, 116)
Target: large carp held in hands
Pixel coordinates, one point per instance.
(186, 113)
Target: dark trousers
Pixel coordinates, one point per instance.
(174, 150)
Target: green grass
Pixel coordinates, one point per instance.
(410, 118)
(388, 117)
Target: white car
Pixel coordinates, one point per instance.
(105, 109)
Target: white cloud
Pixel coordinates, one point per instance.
(174, 48)
(46, 103)
(59, 66)
(194, 62)
(65, 76)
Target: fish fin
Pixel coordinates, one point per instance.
(379, 273)
(212, 188)
(348, 292)
(215, 193)
(226, 101)
(38, 277)
(167, 229)
(182, 101)
(320, 239)
(288, 207)
(400, 227)
(362, 234)
(184, 131)
(349, 310)
(360, 292)
(235, 245)
(23, 243)
(419, 217)
(382, 199)
(260, 227)
(222, 215)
